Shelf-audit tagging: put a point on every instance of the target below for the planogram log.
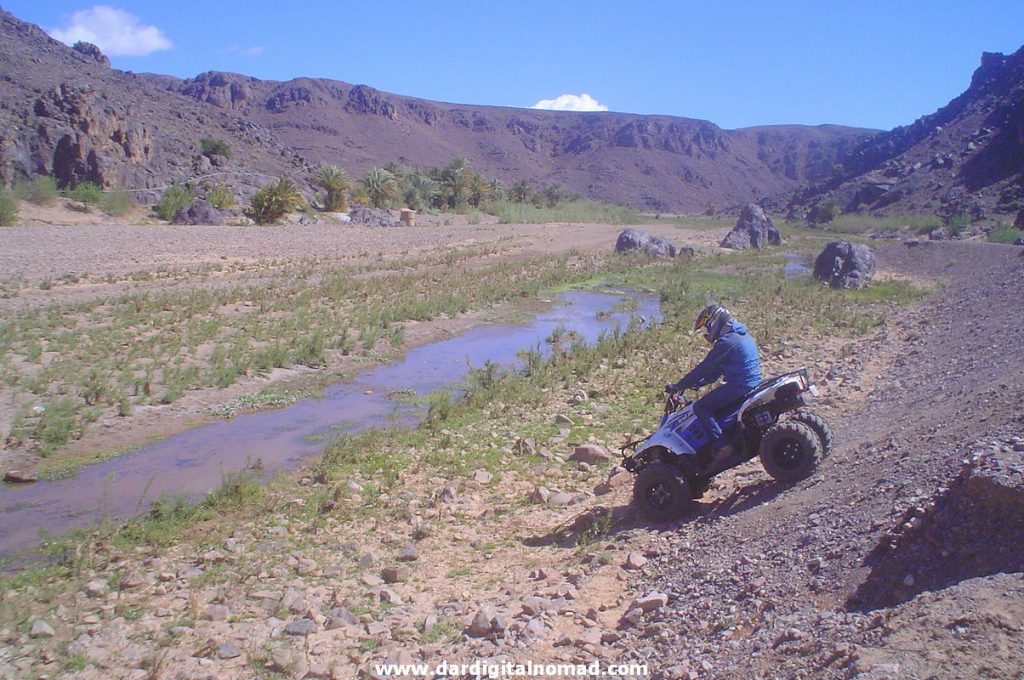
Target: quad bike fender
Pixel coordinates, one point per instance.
(672, 443)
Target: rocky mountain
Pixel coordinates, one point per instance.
(967, 157)
(65, 111)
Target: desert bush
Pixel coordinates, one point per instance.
(8, 208)
(334, 181)
(117, 203)
(274, 201)
(220, 197)
(217, 147)
(85, 192)
(174, 199)
(824, 212)
(380, 186)
(710, 210)
(1004, 233)
(42, 190)
(521, 191)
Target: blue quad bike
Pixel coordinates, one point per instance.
(673, 466)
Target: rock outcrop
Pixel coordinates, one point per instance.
(754, 229)
(655, 246)
(200, 212)
(843, 264)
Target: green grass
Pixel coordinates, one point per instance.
(1004, 233)
(8, 208)
(851, 223)
(575, 211)
(117, 203)
(89, 193)
(42, 190)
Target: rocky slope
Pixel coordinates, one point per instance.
(66, 112)
(966, 157)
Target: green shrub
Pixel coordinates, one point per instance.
(274, 201)
(43, 190)
(86, 192)
(220, 197)
(213, 147)
(117, 203)
(174, 199)
(380, 186)
(334, 181)
(8, 208)
(1004, 233)
(824, 212)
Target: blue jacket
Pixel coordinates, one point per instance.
(733, 357)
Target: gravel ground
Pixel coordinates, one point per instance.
(768, 584)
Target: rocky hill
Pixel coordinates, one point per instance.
(66, 112)
(967, 157)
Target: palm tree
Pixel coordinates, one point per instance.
(274, 201)
(334, 181)
(420, 190)
(380, 187)
(521, 191)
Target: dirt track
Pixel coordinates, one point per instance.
(772, 582)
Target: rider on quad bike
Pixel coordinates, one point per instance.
(734, 358)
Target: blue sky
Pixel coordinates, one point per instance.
(870, 64)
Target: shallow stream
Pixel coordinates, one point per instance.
(195, 462)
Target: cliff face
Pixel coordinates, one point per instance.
(966, 157)
(65, 112)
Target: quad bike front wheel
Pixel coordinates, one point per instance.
(820, 426)
(790, 451)
(661, 492)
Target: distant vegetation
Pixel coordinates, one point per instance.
(117, 203)
(174, 199)
(334, 181)
(851, 223)
(1004, 233)
(274, 201)
(42, 190)
(89, 193)
(8, 208)
(220, 197)
(215, 147)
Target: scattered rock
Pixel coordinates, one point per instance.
(21, 477)
(228, 650)
(482, 477)
(650, 602)
(301, 627)
(200, 212)
(397, 574)
(590, 453)
(408, 554)
(97, 588)
(635, 561)
(754, 229)
(482, 623)
(843, 264)
(653, 246)
(41, 629)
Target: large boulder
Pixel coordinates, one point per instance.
(374, 217)
(655, 246)
(845, 265)
(200, 212)
(754, 229)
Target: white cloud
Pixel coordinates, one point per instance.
(571, 102)
(117, 32)
(254, 51)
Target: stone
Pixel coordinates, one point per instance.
(650, 602)
(559, 499)
(635, 561)
(482, 625)
(562, 419)
(21, 477)
(408, 554)
(590, 453)
(40, 629)
(97, 588)
(393, 574)
(540, 495)
(228, 650)
(374, 217)
(652, 246)
(845, 265)
(200, 212)
(754, 229)
(341, 616)
(301, 627)
(482, 477)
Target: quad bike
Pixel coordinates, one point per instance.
(673, 466)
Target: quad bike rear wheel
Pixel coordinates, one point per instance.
(661, 492)
(820, 426)
(790, 451)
